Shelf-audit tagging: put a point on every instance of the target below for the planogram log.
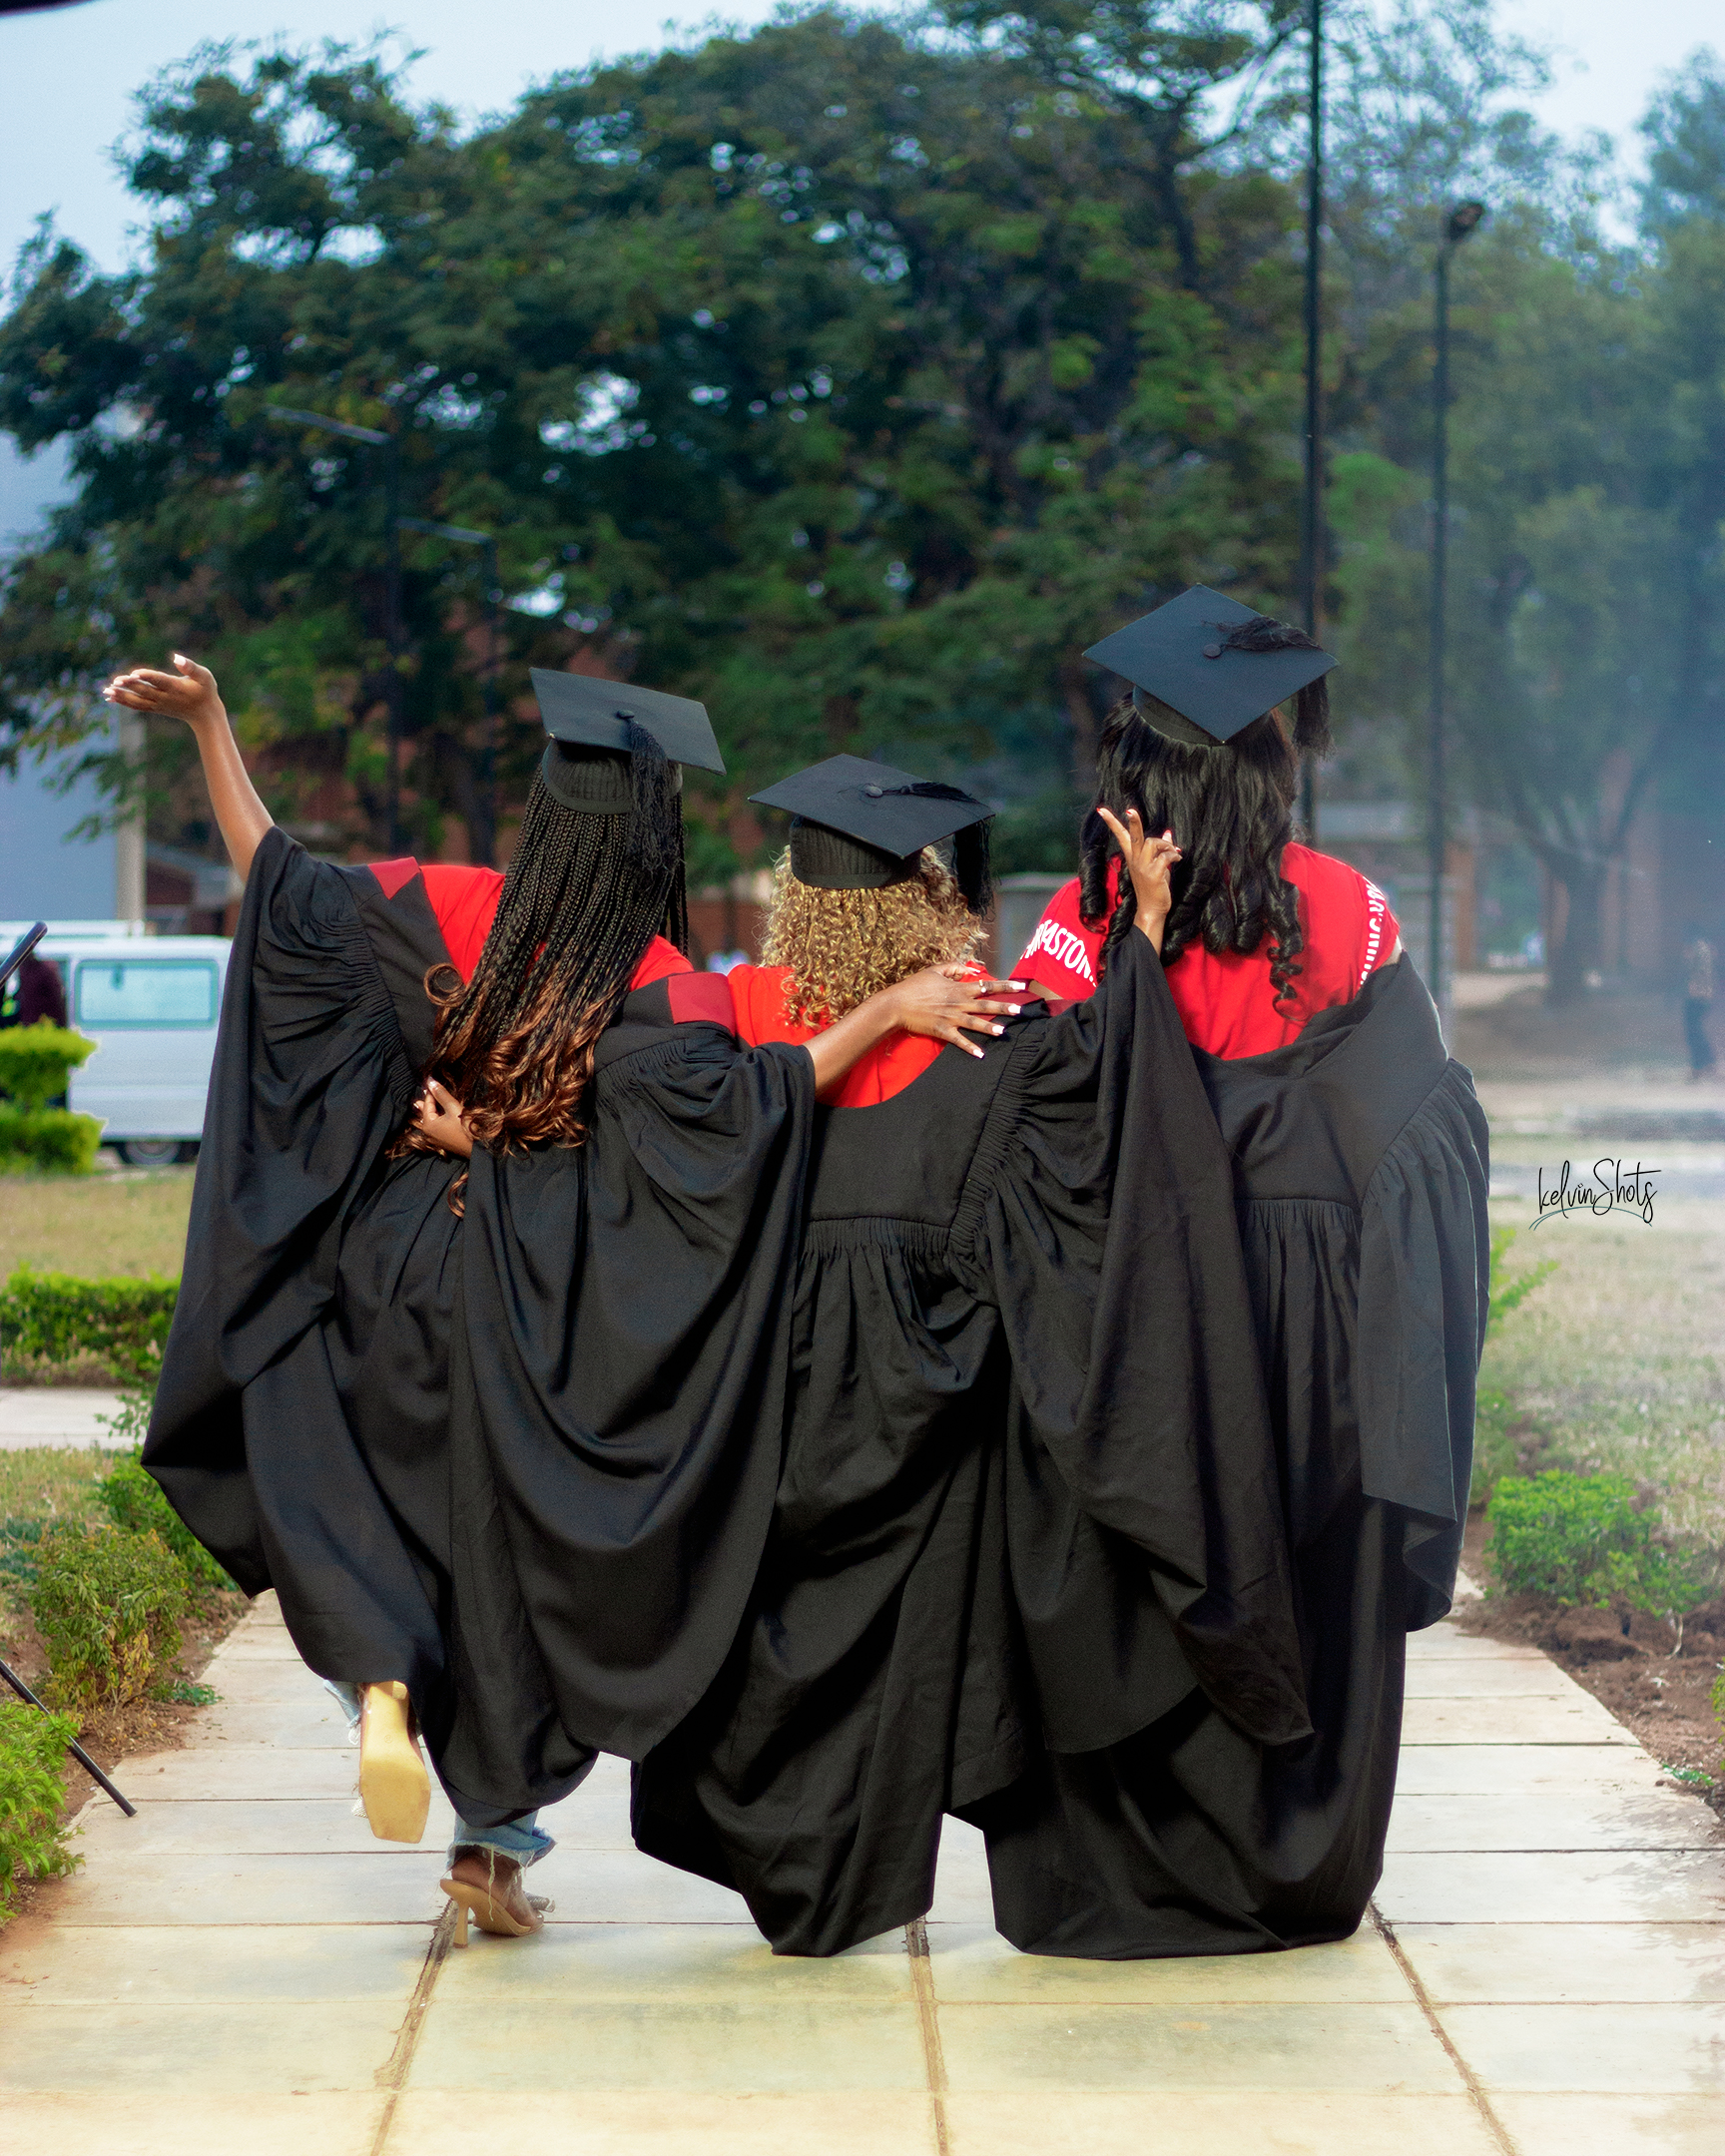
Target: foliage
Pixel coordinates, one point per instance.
(32, 1752)
(54, 1141)
(51, 1317)
(1716, 1699)
(1584, 1540)
(37, 1060)
(107, 1604)
(1508, 1293)
(133, 1501)
(847, 374)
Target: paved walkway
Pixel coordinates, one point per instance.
(241, 1967)
(56, 1416)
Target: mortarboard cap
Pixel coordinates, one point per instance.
(859, 825)
(585, 764)
(1208, 662)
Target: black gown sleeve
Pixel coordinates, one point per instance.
(1424, 1284)
(1148, 1546)
(311, 1082)
(627, 1315)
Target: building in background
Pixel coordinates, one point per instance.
(45, 872)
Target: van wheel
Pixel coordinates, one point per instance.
(150, 1151)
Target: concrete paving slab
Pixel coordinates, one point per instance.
(617, 1964)
(528, 2044)
(1554, 1886)
(1445, 1677)
(620, 1886)
(1509, 1769)
(1575, 1718)
(962, 1891)
(306, 1719)
(1573, 1964)
(185, 1826)
(186, 2124)
(74, 1964)
(219, 2049)
(1270, 2048)
(255, 1890)
(239, 1773)
(1594, 2049)
(973, 1963)
(1185, 2123)
(1448, 1643)
(68, 1418)
(1586, 1819)
(1603, 2125)
(651, 2122)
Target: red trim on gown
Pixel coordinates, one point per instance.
(464, 901)
(757, 998)
(1227, 1004)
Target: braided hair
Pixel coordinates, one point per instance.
(584, 897)
(1230, 806)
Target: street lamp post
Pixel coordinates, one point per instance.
(376, 438)
(459, 535)
(1312, 498)
(1460, 222)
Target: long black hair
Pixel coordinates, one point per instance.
(584, 897)
(1231, 810)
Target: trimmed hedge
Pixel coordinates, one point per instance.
(54, 1141)
(55, 1318)
(108, 1605)
(32, 1753)
(37, 1061)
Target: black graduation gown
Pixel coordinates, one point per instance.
(303, 1424)
(1360, 1166)
(1039, 1245)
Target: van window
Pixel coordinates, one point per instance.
(146, 992)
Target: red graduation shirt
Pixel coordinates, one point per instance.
(464, 901)
(757, 1000)
(1227, 1004)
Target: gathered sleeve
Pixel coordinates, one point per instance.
(627, 1320)
(1425, 1284)
(311, 1080)
(1144, 1480)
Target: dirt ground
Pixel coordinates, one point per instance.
(1632, 1664)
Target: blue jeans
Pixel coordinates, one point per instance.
(524, 1839)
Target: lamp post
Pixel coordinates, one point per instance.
(1312, 498)
(459, 535)
(1461, 222)
(376, 438)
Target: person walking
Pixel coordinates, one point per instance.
(1698, 972)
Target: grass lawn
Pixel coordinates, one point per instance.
(96, 1226)
(1618, 1359)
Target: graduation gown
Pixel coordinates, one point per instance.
(316, 1423)
(1025, 1408)
(1359, 1157)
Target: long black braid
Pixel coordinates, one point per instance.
(584, 897)
(1230, 808)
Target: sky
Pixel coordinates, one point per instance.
(71, 75)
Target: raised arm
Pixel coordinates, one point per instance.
(190, 693)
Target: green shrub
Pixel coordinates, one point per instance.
(51, 1141)
(32, 1752)
(1582, 1539)
(18, 1541)
(1505, 1295)
(108, 1606)
(37, 1061)
(133, 1501)
(52, 1317)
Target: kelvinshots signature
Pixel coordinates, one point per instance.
(1609, 1191)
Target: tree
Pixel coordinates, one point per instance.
(850, 379)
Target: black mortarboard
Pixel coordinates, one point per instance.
(584, 714)
(859, 825)
(1211, 662)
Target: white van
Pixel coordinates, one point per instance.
(151, 1005)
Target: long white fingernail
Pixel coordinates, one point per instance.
(180, 659)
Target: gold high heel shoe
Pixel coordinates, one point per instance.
(498, 1903)
(393, 1785)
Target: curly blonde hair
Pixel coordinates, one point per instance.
(840, 946)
